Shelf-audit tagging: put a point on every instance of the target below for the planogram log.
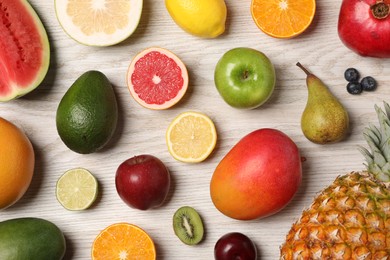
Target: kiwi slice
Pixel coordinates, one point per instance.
(188, 225)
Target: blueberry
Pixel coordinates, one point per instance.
(354, 88)
(351, 75)
(368, 83)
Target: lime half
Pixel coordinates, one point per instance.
(76, 189)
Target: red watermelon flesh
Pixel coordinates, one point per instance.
(24, 49)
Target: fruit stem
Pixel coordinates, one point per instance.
(303, 68)
(380, 10)
(245, 75)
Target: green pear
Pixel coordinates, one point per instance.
(324, 120)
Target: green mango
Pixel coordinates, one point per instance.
(31, 239)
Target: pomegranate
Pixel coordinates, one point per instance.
(364, 27)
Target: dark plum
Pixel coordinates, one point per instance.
(235, 246)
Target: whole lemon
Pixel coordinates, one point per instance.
(16, 163)
(203, 18)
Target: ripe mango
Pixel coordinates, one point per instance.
(258, 176)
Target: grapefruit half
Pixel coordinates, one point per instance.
(24, 49)
(99, 22)
(157, 78)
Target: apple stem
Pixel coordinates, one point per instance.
(303, 68)
(245, 75)
(380, 10)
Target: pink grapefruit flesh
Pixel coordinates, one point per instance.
(24, 49)
(157, 78)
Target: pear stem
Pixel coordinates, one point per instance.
(303, 68)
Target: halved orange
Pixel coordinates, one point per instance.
(283, 18)
(123, 241)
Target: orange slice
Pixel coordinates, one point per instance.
(123, 241)
(283, 18)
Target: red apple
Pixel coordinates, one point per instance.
(258, 177)
(364, 27)
(142, 182)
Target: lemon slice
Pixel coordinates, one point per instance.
(76, 189)
(99, 22)
(191, 137)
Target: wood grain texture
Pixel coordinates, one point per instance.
(142, 131)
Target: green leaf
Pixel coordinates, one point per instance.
(379, 159)
(387, 108)
(371, 143)
(374, 134)
(367, 155)
(384, 124)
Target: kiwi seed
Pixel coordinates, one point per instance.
(188, 225)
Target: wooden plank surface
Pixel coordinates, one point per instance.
(142, 131)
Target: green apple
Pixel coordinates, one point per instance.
(245, 78)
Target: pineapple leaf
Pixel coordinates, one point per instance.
(387, 108)
(384, 123)
(375, 131)
(377, 171)
(370, 139)
(383, 174)
(384, 133)
(386, 169)
(379, 159)
(378, 140)
(386, 150)
(367, 155)
(374, 134)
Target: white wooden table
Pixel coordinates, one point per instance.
(142, 131)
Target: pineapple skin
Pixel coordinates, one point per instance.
(350, 219)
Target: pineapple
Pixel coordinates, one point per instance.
(350, 219)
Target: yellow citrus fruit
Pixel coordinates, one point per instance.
(191, 137)
(99, 22)
(123, 241)
(283, 18)
(203, 18)
(76, 189)
(17, 162)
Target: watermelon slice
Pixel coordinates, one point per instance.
(24, 49)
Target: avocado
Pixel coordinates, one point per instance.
(87, 114)
(31, 239)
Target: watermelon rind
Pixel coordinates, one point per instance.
(98, 39)
(17, 90)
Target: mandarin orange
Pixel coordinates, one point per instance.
(123, 241)
(283, 18)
